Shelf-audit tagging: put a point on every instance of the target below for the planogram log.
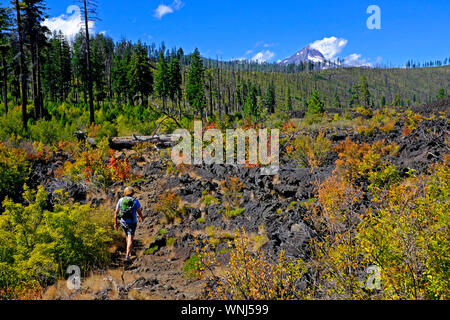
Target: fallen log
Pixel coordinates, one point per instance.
(160, 141)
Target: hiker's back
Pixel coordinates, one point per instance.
(128, 207)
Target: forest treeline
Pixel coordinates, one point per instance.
(93, 70)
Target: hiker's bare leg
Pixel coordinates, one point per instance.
(129, 245)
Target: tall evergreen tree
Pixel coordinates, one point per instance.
(441, 94)
(175, 80)
(288, 99)
(140, 75)
(269, 99)
(120, 67)
(34, 15)
(162, 78)
(364, 93)
(337, 101)
(79, 62)
(315, 104)
(57, 68)
(5, 28)
(383, 101)
(23, 68)
(251, 104)
(195, 88)
(397, 101)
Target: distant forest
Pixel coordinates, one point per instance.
(42, 67)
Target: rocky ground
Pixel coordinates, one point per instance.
(160, 275)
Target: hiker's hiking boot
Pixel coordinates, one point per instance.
(127, 259)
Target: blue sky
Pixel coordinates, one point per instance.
(273, 30)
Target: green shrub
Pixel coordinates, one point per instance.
(201, 220)
(209, 200)
(234, 213)
(47, 132)
(11, 125)
(310, 152)
(169, 206)
(171, 242)
(14, 171)
(151, 250)
(192, 267)
(38, 245)
(107, 130)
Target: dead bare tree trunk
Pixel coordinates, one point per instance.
(88, 64)
(5, 84)
(23, 67)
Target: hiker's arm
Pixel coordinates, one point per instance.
(116, 219)
(139, 211)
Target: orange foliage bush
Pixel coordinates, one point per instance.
(356, 161)
(252, 276)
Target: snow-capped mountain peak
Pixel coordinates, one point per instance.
(309, 54)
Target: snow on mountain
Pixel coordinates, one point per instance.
(309, 54)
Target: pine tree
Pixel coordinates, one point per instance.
(397, 101)
(175, 81)
(102, 51)
(139, 74)
(383, 101)
(120, 68)
(315, 104)
(364, 93)
(441, 94)
(337, 101)
(23, 68)
(5, 28)
(162, 78)
(269, 99)
(79, 62)
(251, 104)
(34, 15)
(195, 88)
(288, 99)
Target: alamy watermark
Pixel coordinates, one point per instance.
(74, 280)
(374, 280)
(374, 21)
(209, 147)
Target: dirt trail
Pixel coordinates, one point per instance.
(160, 275)
(157, 276)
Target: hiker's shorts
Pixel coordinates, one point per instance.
(129, 228)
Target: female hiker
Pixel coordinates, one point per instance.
(126, 210)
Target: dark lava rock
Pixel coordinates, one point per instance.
(159, 242)
(76, 191)
(142, 283)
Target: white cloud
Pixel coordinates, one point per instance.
(332, 46)
(163, 9)
(269, 45)
(356, 60)
(263, 56)
(69, 24)
(177, 4)
(329, 47)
